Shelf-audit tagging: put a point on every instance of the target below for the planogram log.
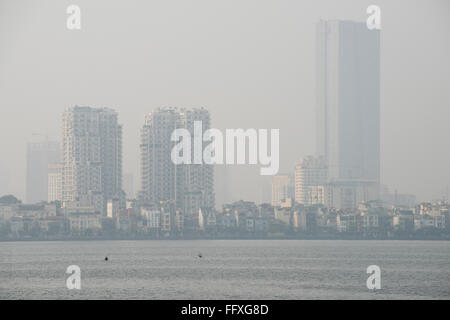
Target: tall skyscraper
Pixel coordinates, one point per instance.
(191, 186)
(310, 179)
(39, 156)
(348, 102)
(92, 157)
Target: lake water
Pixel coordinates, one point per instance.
(228, 269)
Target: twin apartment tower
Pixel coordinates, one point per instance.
(91, 169)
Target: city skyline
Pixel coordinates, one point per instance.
(285, 99)
(306, 185)
(346, 170)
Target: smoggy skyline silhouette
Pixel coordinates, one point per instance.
(251, 64)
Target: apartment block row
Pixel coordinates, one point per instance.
(234, 220)
(84, 172)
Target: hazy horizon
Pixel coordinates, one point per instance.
(250, 63)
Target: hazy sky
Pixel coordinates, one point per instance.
(250, 62)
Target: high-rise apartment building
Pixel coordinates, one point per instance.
(197, 180)
(92, 157)
(348, 103)
(191, 186)
(310, 173)
(282, 189)
(39, 156)
(156, 168)
(54, 182)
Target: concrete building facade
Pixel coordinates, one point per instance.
(310, 172)
(92, 158)
(348, 102)
(190, 186)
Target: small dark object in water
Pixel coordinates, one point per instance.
(106, 258)
(200, 255)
